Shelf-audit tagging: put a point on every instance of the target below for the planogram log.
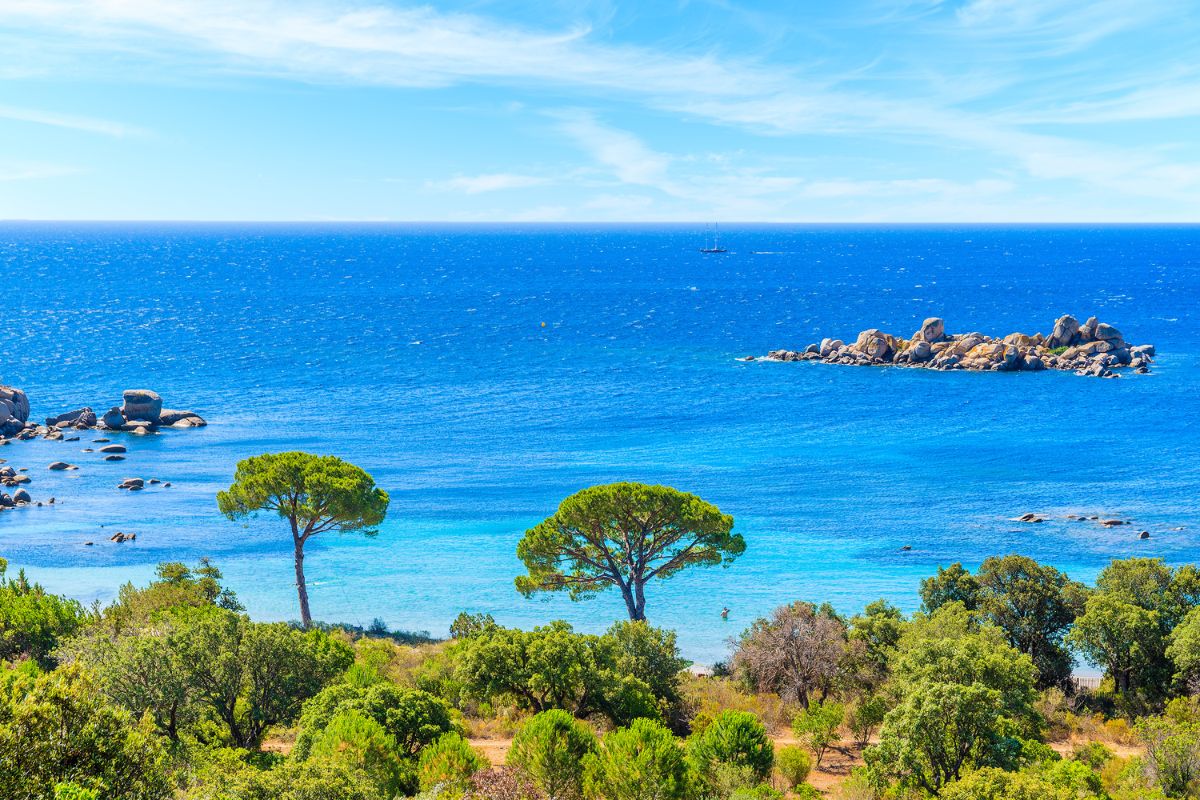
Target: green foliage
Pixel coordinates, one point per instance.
(733, 738)
(73, 791)
(878, 629)
(990, 783)
(939, 732)
(554, 667)
(315, 494)
(641, 762)
(208, 661)
(1092, 754)
(467, 625)
(175, 586)
(624, 535)
(57, 729)
(307, 780)
(1034, 605)
(1127, 623)
(952, 584)
(411, 718)
(763, 791)
(793, 765)
(33, 622)
(362, 743)
(864, 716)
(549, 750)
(1184, 650)
(948, 647)
(448, 764)
(817, 726)
(1172, 754)
(1123, 638)
(651, 655)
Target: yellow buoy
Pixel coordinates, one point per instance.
(543, 324)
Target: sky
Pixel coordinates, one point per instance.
(696, 110)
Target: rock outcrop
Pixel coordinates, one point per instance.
(14, 410)
(140, 412)
(141, 404)
(1093, 348)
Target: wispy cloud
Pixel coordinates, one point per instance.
(70, 121)
(489, 182)
(627, 156)
(955, 106)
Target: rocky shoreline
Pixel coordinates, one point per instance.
(140, 413)
(1092, 348)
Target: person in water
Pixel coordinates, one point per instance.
(725, 613)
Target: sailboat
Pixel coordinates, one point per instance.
(715, 246)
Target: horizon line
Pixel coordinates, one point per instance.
(566, 223)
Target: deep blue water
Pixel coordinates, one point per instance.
(417, 352)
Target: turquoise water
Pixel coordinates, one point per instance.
(417, 352)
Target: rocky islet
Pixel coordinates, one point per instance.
(1092, 348)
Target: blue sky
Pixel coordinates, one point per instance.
(880, 110)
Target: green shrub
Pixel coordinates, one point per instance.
(1094, 754)
(32, 622)
(864, 718)
(817, 726)
(763, 791)
(549, 750)
(793, 764)
(59, 726)
(642, 761)
(361, 742)
(448, 763)
(412, 718)
(736, 738)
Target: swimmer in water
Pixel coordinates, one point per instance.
(724, 613)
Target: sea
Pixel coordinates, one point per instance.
(482, 373)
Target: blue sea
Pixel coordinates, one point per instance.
(419, 353)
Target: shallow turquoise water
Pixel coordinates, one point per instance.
(418, 353)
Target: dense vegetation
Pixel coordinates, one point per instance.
(172, 691)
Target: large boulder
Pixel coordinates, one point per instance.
(1066, 329)
(874, 344)
(141, 404)
(112, 418)
(1107, 333)
(919, 351)
(831, 346)
(932, 330)
(14, 410)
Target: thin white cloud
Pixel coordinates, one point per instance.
(70, 121)
(629, 159)
(419, 46)
(489, 182)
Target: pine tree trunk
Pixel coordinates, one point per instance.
(301, 588)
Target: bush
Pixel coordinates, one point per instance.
(549, 750)
(642, 761)
(412, 718)
(361, 742)
(58, 727)
(763, 791)
(33, 622)
(735, 738)
(448, 763)
(793, 765)
(817, 726)
(1094, 754)
(864, 718)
